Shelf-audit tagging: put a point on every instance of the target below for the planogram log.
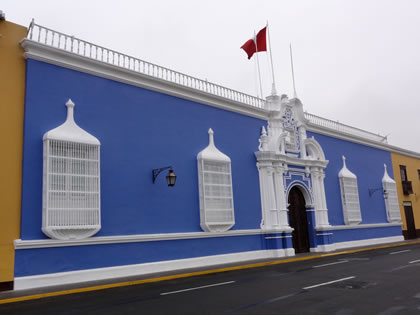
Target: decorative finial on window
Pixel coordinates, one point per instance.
(211, 137)
(70, 110)
(344, 161)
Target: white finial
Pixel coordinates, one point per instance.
(211, 137)
(345, 172)
(386, 177)
(273, 89)
(263, 131)
(344, 161)
(70, 103)
(70, 110)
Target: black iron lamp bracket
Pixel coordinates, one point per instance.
(373, 190)
(157, 171)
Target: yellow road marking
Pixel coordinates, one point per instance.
(192, 274)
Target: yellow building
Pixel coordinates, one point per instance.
(407, 177)
(12, 89)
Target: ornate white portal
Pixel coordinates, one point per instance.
(287, 158)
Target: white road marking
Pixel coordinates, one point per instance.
(327, 283)
(401, 251)
(333, 263)
(197, 288)
(414, 261)
(279, 298)
(356, 259)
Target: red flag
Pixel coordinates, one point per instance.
(249, 48)
(257, 44)
(262, 40)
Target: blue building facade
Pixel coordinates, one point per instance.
(282, 182)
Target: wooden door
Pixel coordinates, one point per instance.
(409, 219)
(298, 221)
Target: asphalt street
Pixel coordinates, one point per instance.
(381, 281)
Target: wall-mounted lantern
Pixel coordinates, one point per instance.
(170, 178)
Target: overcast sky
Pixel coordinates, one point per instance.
(356, 61)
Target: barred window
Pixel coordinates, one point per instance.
(391, 198)
(71, 181)
(215, 189)
(349, 196)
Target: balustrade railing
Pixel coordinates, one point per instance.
(337, 126)
(86, 49)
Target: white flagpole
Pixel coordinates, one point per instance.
(273, 92)
(293, 72)
(256, 77)
(258, 63)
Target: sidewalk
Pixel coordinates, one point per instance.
(30, 294)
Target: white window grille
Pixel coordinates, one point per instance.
(391, 198)
(349, 196)
(215, 189)
(71, 181)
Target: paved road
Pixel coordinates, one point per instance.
(383, 281)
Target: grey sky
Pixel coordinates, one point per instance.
(357, 62)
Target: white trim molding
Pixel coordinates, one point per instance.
(96, 274)
(359, 243)
(360, 226)
(323, 248)
(100, 240)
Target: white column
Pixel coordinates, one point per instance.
(281, 202)
(268, 202)
(316, 193)
(324, 214)
(321, 211)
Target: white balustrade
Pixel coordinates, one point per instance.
(86, 49)
(335, 125)
(83, 48)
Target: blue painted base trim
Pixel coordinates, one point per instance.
(278, 240)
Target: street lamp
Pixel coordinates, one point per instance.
(170, 178)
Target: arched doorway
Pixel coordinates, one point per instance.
(298, 220)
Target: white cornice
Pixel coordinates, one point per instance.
(290, 160)
(28, 244)
(48, 54)
(52, 55)
(344, 136)
(352, 227)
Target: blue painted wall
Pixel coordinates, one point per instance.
(139, 130)
(367, 164)
(361, 234)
